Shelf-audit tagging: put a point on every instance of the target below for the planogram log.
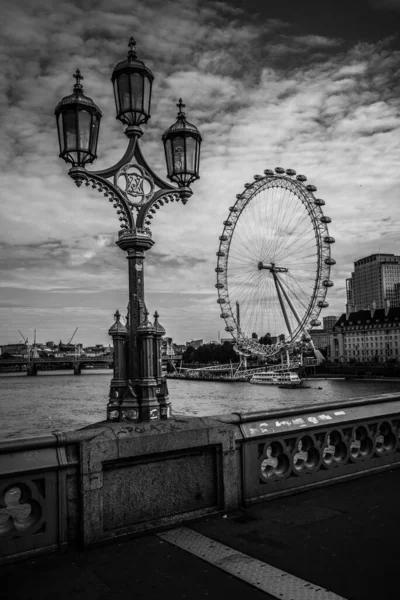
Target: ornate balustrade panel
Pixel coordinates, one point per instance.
(296, 451)
(32, 507)
(137, 477)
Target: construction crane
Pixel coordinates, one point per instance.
(23, 337)
(73, 335)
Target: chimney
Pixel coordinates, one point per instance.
(349, 311)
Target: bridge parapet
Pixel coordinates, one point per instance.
(116, 479)
(284, 451)
(112, 479)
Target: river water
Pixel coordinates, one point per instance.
(59, 401)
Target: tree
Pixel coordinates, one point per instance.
(210, 353)
(170, 367)
(187, 356)
(266, 340)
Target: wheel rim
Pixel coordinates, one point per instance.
(274, 260)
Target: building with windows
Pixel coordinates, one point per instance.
(18, 349)
(374, 278)
(367, 336)
(329, 322)
(321, 337)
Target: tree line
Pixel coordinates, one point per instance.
(210, 353)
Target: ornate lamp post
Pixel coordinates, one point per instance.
(138, 391)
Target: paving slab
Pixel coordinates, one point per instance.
(146, 567)
(343, 537)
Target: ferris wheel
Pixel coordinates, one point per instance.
(274, 262)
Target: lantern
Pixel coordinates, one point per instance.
(182, 150)
(78, 123)
(132, 82)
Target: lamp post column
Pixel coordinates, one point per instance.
(149, 406)
(135, 242)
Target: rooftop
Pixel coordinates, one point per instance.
(362, 317)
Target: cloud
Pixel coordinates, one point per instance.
(262, 94)
(316, 42)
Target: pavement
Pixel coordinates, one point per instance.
(343, 537)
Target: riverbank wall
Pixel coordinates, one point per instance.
(359, 370)
(110, 480)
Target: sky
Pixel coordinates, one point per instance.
(312, 86)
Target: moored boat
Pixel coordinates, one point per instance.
(280, 378)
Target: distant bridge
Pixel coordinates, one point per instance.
(33, 365)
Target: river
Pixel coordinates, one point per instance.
(59, 401)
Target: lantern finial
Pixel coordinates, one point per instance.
(180, 105)
(78, 88)
(132, 51)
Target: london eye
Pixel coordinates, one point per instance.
(274, 262)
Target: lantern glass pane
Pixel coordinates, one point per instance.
(124, 95)
(60, 132)
(146, 95)
(84, 130)
(117, 103)
(197, 167)
(94, 135)
(168, 156)
(190, 155)
(70, 129)
(137, 92)
(178, 145)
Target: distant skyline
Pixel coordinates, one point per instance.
(310, 86)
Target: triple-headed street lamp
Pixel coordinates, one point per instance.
(138, 392)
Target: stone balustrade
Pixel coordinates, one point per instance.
(114, 479)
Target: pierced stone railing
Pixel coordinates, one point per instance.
(287, 450)
(114, 479)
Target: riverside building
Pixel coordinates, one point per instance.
(374, 278)
(367, 336)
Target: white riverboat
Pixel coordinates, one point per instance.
(281, 378)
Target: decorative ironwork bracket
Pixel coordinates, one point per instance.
(136, 172)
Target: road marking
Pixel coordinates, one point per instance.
(255, 572)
